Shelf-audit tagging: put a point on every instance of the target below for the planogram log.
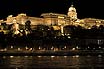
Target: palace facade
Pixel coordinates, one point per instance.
(56, 20)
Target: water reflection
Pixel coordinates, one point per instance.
(66, 62)
(39, 56)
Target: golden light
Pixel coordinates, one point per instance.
(26, 48)
(77, 56)
(19, 49)
(61, 17)
(16, 32)
(65, 56)
(64, 46)
(1, 49)
(52, 48)
(39, 56)
(11, 47)
(39, 47)
(30, 49)
(52, 56)
(56, 27)
(73, 48)
(55, 49)
(77, 47)
(69, 37)
(11, 56)
(89, 28)
(5, 49)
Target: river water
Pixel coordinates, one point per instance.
(53, 62)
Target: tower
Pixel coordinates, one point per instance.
(72, 12)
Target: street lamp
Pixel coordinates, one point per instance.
(11, 47)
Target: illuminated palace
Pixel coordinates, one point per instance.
(55, 20)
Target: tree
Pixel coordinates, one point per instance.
(27, 25)
(4, 25)
(101, 27)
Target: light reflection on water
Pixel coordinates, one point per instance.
(66, 62)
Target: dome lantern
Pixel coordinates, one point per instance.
(72, 12)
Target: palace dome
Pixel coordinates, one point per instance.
(72, 9)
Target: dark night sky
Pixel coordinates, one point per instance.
(85, 8)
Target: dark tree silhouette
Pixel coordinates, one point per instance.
(4, 25)
(27, 25)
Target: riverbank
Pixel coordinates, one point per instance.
(52, 53)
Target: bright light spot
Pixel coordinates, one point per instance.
(77, 47)
(26, 56)
(99, 55)
(89, 28)
(77, 56)
(65, 56)
(21, 30)
(56, 27)
(10, 16)
(52, 56)
(39, 48)
(61, 17)
(48, 29)
(30, 49)
(73, 48)
(73, 56)
(26, 48)
(11, 47)
(69, 37)
(88, 47)
(16, 32)
(68, 34)
(2, 50)
(64, 46)
(26, 32)
(19, 49)
(55, 49)
(11, 56)
(97, 25)
(62, 34)
(52, 48)
(99, 46)
(39, 56)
